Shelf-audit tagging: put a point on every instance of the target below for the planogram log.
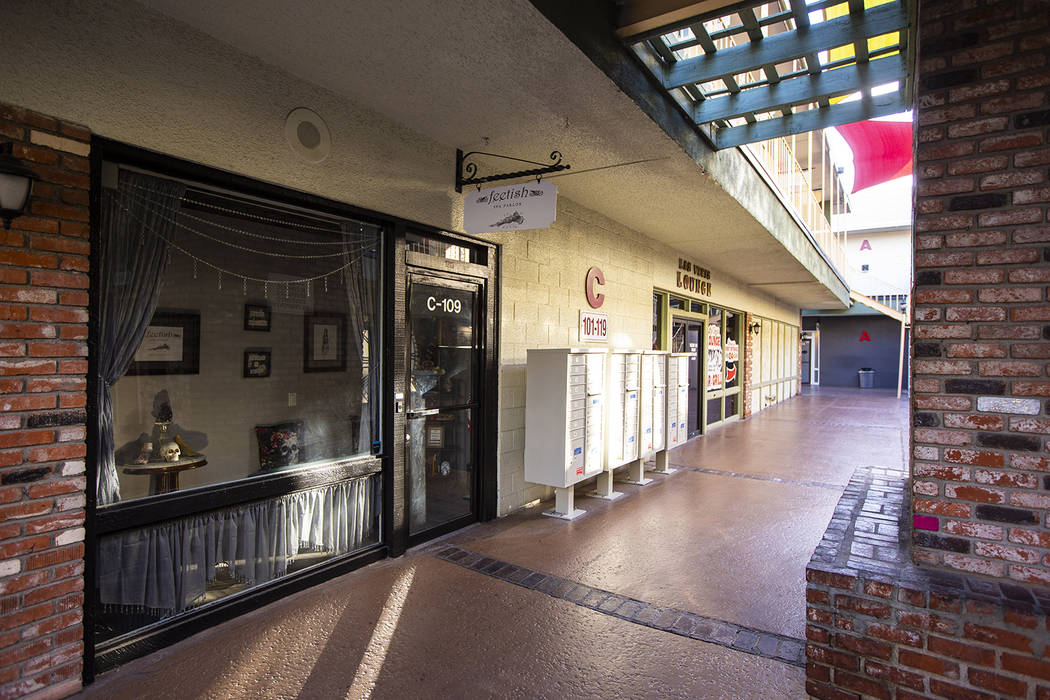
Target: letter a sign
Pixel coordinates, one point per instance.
(864, 337)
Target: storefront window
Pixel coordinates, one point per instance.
(731, 360)
(150, 574)
(723, 364)
(714, 349)
(237, 338)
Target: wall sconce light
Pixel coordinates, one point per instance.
(755, 327)
(16, 184)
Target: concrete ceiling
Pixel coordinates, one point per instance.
(495, 75)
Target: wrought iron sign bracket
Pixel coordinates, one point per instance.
(467, 169)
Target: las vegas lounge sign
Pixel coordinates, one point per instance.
(510, 208)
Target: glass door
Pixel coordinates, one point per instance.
(806, 368)
(685, 337)
(443, 373)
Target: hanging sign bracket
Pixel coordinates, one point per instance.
(467, 169)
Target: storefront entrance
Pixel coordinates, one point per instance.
(806, 366)
(444, 360)
(685, 337)
(282, 388)
(449, 383)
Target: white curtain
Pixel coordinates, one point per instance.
(166, 568)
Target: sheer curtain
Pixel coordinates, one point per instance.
(165, 568)
(136, 218)
(359, 278)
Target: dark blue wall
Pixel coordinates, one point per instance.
(842, 353)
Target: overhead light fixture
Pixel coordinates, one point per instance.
(16, 184)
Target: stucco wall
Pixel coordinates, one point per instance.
(888, 257)
(138, 77)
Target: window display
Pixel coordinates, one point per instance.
(237, 342)
(194, 279)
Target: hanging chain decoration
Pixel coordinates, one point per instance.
(467, 169)
(175, 212)
(359, 240)
(237, 213)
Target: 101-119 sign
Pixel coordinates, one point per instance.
(594, 326)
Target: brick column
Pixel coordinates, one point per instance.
(43, 368)
(980, 468)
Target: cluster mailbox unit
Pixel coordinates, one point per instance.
(624, 377)
(564, 420)
(589, 412)
(677, 414)
(653, 404)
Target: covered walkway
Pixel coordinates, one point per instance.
(692, 586)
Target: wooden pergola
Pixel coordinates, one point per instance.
(756, 70)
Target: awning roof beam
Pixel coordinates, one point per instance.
(802, 90)
(740, 86)
(787, 46)
(811, 120)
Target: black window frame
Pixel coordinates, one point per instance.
(99, 657)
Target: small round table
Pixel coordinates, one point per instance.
(164, 476)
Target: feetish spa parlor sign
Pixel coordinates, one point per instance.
(510, 208)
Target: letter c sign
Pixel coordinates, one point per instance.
(594, 276)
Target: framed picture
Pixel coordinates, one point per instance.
(171, 345)
(256, 362)
(324, 342)
(256, 317)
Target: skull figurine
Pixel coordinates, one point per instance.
(170, 452)
(289, 449)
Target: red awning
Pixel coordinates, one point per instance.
(881, 151)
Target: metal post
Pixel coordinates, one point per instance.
(663, 464)
(564, 507)
(603, 487)
(636, 473)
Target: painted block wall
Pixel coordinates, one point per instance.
(842, 352)
(979, 445)
(542, 293)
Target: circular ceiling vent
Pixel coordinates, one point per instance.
(308, 135)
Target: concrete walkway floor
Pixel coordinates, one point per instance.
(692, 586)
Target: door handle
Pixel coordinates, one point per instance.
(420, 414)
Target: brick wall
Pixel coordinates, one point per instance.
(887, 639)
(878, 626)
(980, 468)
(43, 367)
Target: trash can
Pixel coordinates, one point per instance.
(866, 375)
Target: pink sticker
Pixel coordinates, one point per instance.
(926, 522)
